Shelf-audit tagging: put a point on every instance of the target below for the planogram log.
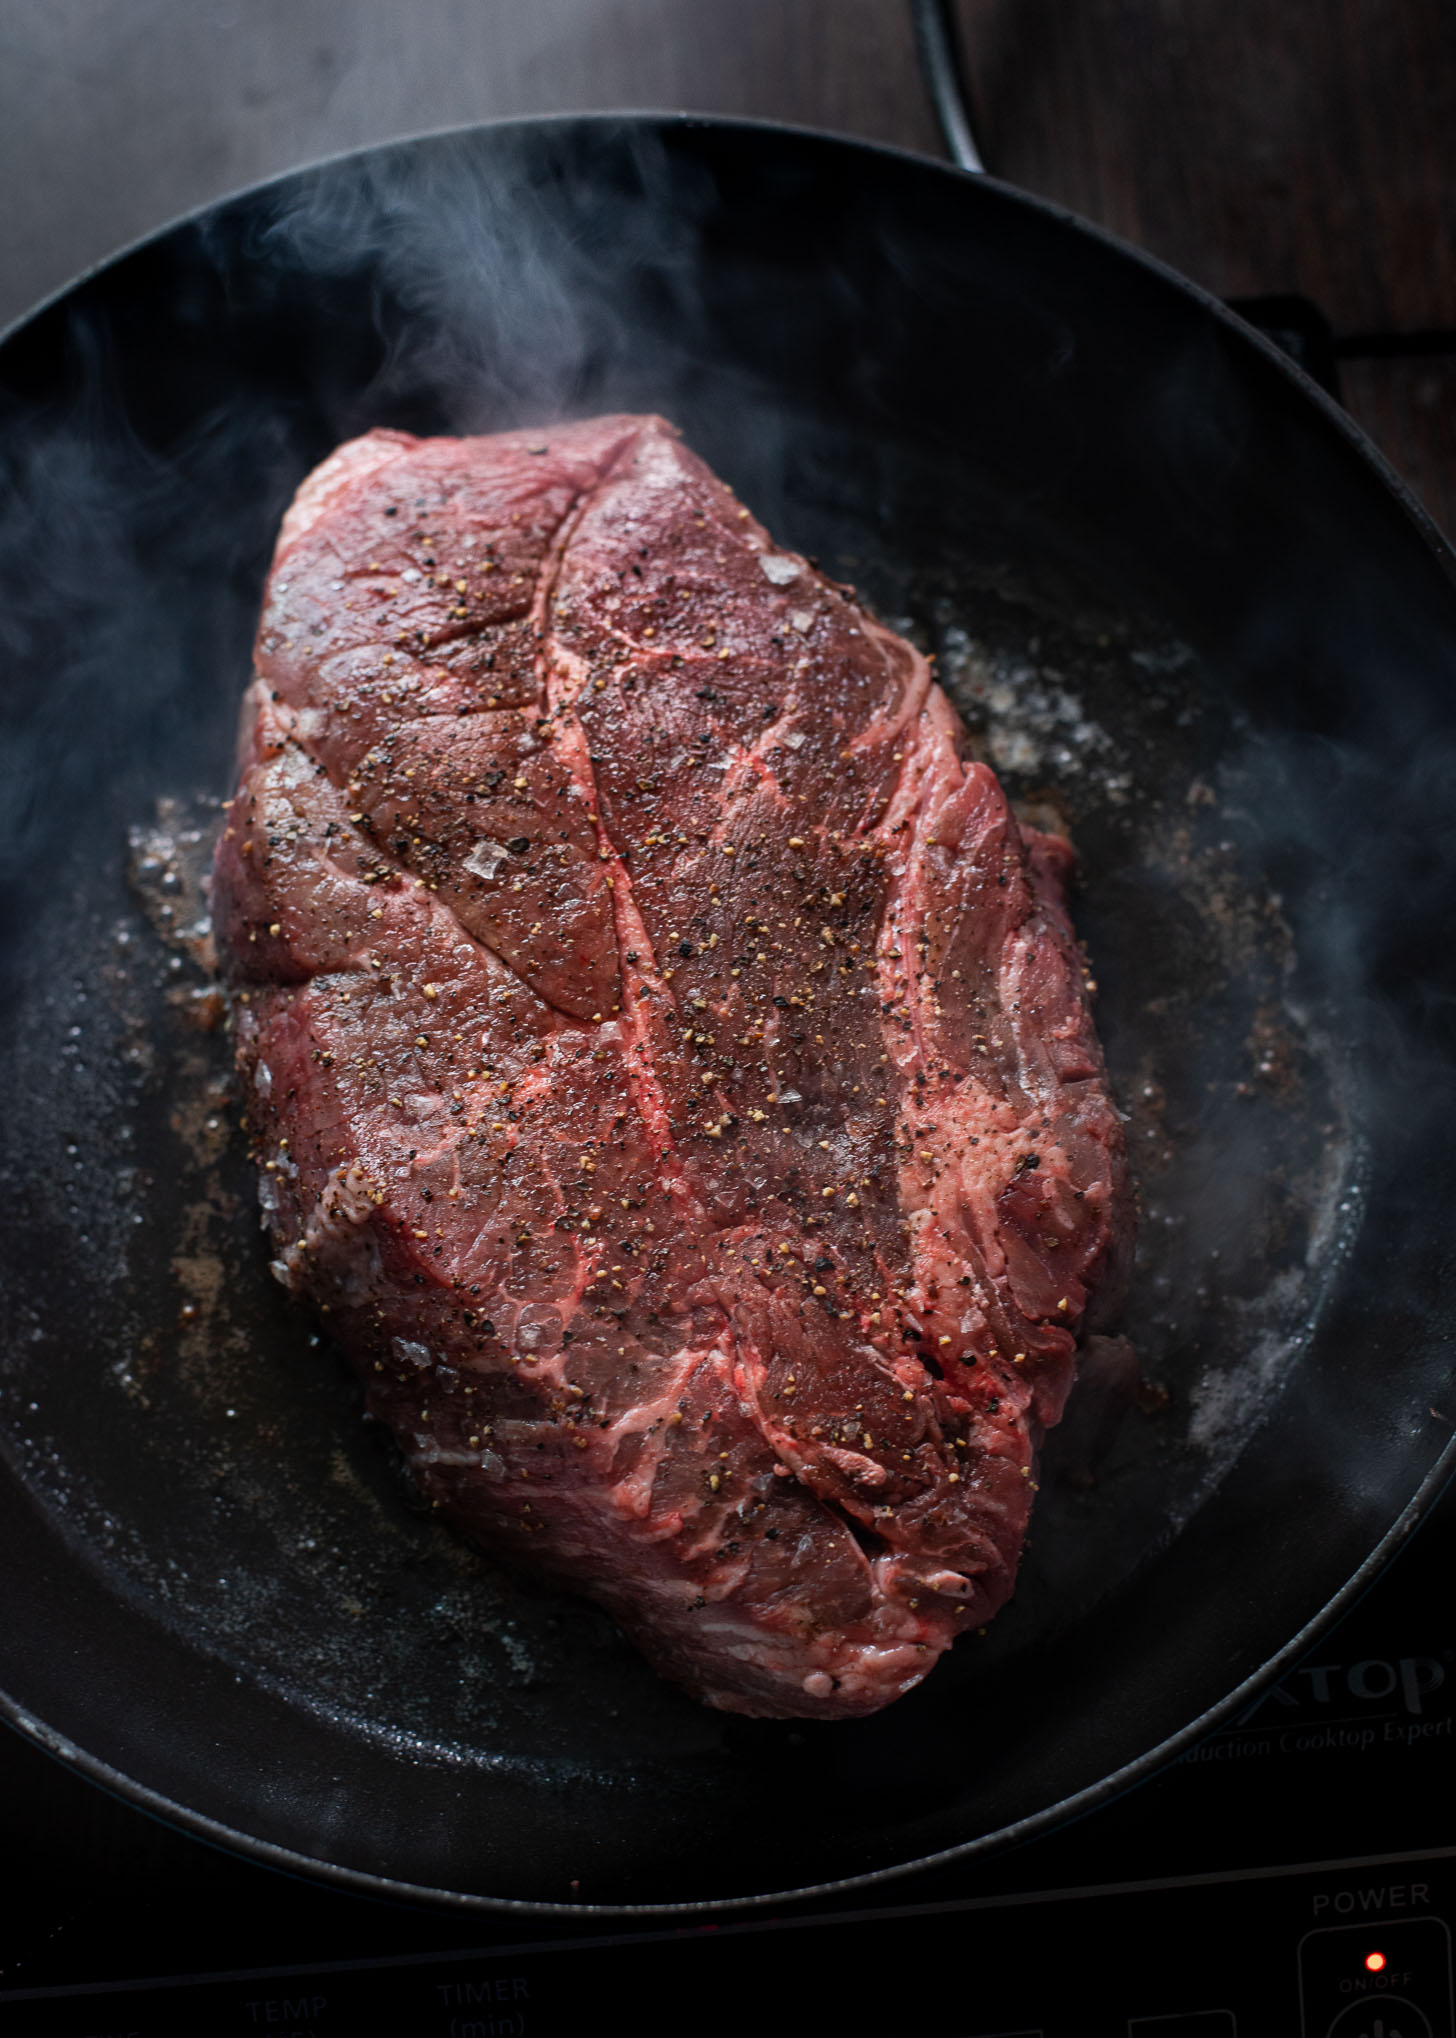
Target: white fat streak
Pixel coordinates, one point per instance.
(874, 1669)
(426, 1450)
(961, 1198)
(1033, 1064)
(919, 694)
(633, 1495)
(345, 467)
(293, 769)
(347, 1201)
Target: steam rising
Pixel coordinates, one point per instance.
(504, 307)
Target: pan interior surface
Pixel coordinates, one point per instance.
(1185, 617)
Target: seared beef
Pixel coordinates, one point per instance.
(669, 1063)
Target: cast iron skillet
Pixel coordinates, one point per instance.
(216, 1593)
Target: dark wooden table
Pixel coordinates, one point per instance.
(1262, 149)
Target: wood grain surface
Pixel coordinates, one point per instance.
(1259, 145)
(1263, 148)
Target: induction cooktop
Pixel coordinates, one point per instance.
(1292, 1876)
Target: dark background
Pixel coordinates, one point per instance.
(1263, 148)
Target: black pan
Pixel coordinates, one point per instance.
(1185, 607)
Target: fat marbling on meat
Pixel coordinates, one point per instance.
(669, 1064)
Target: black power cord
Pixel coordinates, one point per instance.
(938, 44)
(1294, 324)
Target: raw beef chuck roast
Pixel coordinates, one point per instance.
(670, 1066)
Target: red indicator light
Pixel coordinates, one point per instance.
(1375, 1961)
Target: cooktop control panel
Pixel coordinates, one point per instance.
(1342, 1951)
(1384, 1977)
(1291, 1876)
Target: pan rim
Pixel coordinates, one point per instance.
(290, 1861)
(1334, 413)
(287, 1860)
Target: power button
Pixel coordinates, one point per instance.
(1382, 1978)
(1389, 2019)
